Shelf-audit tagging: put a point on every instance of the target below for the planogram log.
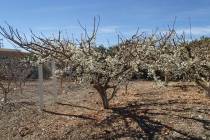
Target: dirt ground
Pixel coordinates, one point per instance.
(146, 111)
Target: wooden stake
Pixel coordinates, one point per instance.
(55, 87)
(41, 87)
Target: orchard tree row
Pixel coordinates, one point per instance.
(166, 54)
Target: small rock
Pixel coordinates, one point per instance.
(200, 116)
(23, 131)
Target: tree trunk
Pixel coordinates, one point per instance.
(5, 96)
(105, 100)
(166, 80)
(102, 91)
(208, 92)
(126, 88)
(61, 85)
(21, 88)
(204, 85)
(5, 92)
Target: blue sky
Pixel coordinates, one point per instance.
(117, 16)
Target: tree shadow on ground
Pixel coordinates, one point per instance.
(69, 115)
(206, 123)
(147, 128)
(78, 106)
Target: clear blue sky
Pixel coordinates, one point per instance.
(49, 16)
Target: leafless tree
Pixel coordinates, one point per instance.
(13, 73)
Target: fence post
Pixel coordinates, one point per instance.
(55, 89)
(40, 87)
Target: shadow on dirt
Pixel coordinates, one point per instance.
(77, 106)
(68, 115)
(147, 128)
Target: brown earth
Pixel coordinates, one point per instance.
(146, 111)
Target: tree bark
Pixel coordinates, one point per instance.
(104, 100)
(102, 92)
(5, 96)
(208, 92)
(21, 88)
(61, 85)
(166, 79)
(204, 85)
(5, 92)
(126, 88)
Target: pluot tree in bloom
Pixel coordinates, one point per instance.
(102, 69)
(195, 63)
(106, 68)
(164, 52)
(172, 55)
(158, 53)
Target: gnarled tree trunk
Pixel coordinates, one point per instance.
(103, 94)
(205, 85)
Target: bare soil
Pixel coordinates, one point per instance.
(146, 111)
